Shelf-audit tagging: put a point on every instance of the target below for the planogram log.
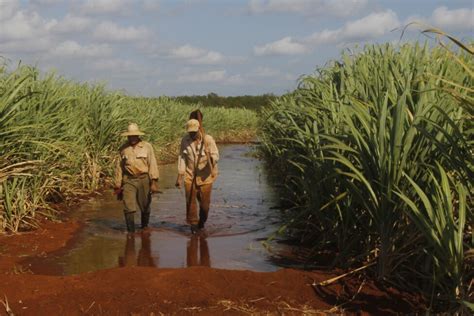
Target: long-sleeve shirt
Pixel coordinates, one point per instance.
(136, 160)
(188, 156)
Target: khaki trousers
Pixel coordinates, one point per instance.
(136, 194)
(202, 194)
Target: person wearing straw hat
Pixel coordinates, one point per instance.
(136, 176)
(197, 168)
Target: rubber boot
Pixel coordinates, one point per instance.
(202, 219)
(145, 219)
(130, 221)
(194, 229)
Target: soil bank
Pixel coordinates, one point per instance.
(241, 215)
(184, 291)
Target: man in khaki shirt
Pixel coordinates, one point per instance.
(136, 177)
(197, 166)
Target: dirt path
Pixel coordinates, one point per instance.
(186, 291)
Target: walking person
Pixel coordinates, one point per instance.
(197, 168)
(136, 177)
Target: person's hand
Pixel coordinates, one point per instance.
(179, 179)
(118, 191)
(154, 188)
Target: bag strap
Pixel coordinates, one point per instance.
(198, 157)
(209, 158)
(195, 175)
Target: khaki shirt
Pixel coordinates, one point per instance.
(187, 159)
(135, 161)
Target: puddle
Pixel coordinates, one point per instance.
(240, 217)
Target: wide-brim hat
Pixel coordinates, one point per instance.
(132, 130)
(192, 126)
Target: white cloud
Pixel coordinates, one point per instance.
(373, 25)
(234, 80)
(33, 45)
(109, 31)
(151, 5)
(24, 25)
(369, 27)
(340, 8)
(196, 55)
(210, 58)
(458, 19)
(444, 19)
(72, 49)
(72, 23)
(210, 76)
(23, 32)
(114, 64)
(8, 8)
(214, 76)
(187, 52)
(285, 46)
(265, 72)
(106, 6)
(45, 2)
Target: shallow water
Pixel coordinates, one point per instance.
(241, 216)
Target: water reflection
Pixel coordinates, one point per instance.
(144, 257)
(197, 251)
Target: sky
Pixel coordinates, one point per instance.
(195, 47)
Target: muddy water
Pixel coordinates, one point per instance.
(241, 217)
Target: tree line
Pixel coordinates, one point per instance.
(253, 102)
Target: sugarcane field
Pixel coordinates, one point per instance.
(261, 157)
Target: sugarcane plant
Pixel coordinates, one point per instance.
(59, 138)
(376, 150)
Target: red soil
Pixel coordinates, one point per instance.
(187, 291)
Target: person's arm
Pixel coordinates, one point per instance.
(213, 152)
(181, 164)
(153, 171)
(118, 176)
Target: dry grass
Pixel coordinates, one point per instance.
(5, 304)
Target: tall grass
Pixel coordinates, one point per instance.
(58, 138)
(376, 150)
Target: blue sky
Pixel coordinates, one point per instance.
(229, 47)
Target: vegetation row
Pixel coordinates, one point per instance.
(58, 138)
(375, 152)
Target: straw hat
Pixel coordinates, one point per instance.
(132, 130)
(192, 125)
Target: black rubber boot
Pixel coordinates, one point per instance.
(202, 219)
(194, 229)
(130, 221)
(145, 219)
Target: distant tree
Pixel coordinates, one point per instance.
(245, 101)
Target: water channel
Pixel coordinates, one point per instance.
(242, 216)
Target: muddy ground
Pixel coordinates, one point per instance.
(87, 265)
(184, 291)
